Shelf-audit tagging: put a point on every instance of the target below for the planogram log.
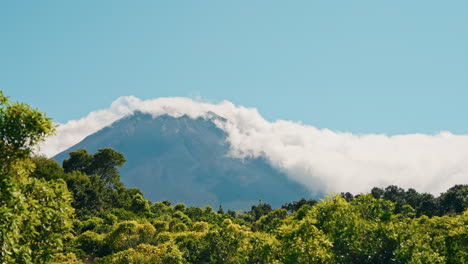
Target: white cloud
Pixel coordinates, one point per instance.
(341, 161)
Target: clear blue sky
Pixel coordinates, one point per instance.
(359, 66)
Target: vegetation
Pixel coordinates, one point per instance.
(34, 212)
(80, 212)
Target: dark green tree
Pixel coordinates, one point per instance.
(260, 210)
(95, 182)
(296, 205)
(46, 168)
(455, 200)
(103, 163)
(377, 192)
(79, 160)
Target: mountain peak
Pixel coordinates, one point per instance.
(210, 115)
(186, 160)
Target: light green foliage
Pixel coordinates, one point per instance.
(143, 254)
(179, 207)
(179, 216)
(139, 204)
(90, 242)
(164, 237)
(122, 214)
(191, 245)
(302, 242)
(335, 230)
(223, 245)
(200, 227)
(271, 221)
(179, 227)
(365, 231)
(109, 218)
(34, 213)
(21, 128)
(92, 224)
(358, 230)
(160, 225)
(447, 235)
(69, 258)
(457, 239)
(128, 234)
(260, 248)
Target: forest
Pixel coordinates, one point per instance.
(80, 212)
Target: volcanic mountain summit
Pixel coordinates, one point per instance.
(186, 160)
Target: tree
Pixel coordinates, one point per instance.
(91, 196)
(397, 195)
(377, 192)
(95, 182)
(163, 253)
(80, 160)
(296, 205)
(302, 242)
(35, 213)
(259, 210)
(129, 234)
(103, 163)
(21, 129)
(47, 169)
(223, 245)
(455, 200)
(271, 221)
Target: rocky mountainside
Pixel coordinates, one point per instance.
(185, 160)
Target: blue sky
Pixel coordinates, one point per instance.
(389, 67)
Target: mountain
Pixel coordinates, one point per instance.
(185, 160)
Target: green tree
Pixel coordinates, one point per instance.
(223, 245)
(261, 248)
(455, 200)
(34, 213)
(79, 160)
(257, 211)
(296, 205)
(69, 258)
(95, 183)
(91, 196)
(271, 221)
(129, 234)
(302, 242)
(46, 168)
(161, 254)
(102, 163)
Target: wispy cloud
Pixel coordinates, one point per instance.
(340, 161)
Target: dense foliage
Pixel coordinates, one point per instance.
(80, 212)
(34, 212)
(364, 229)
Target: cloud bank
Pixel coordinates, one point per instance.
(314, 157)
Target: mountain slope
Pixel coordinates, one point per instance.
(185, 160)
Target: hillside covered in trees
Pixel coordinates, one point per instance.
(80, 212)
